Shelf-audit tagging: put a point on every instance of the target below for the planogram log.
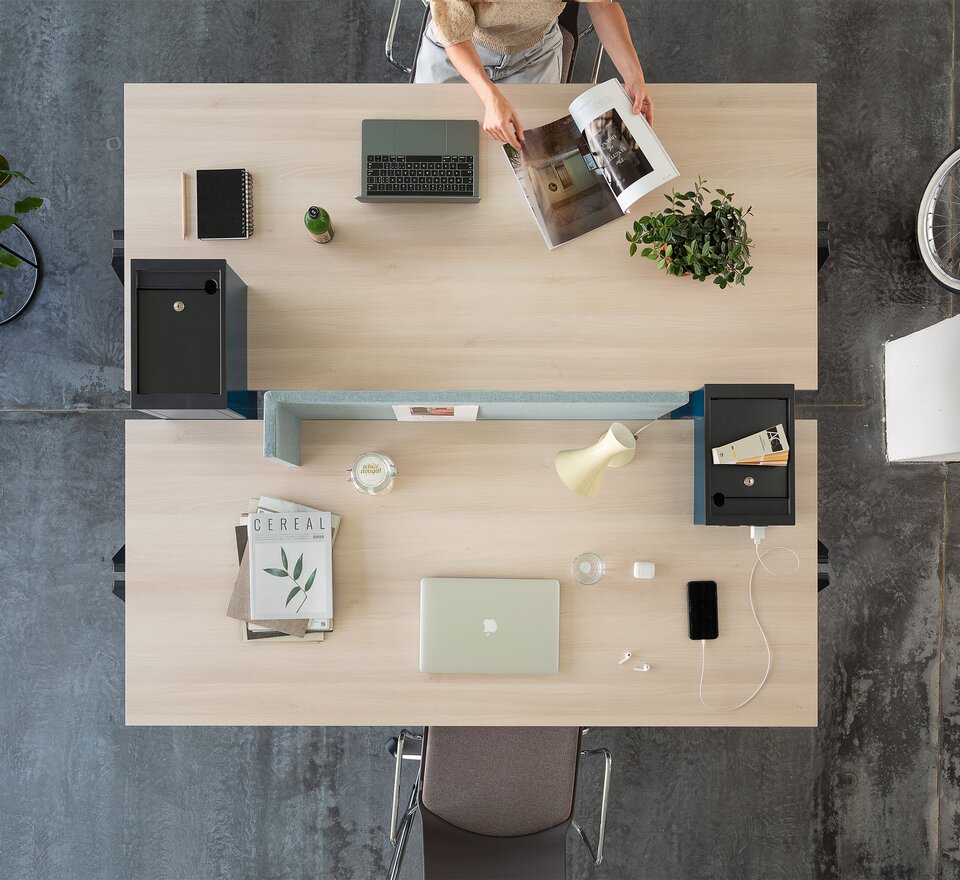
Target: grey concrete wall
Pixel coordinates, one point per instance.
(873, 792)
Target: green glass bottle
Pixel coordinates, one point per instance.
(318, 224)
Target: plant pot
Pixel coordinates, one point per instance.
(669, 260)
(4, 166)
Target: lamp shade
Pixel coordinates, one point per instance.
(582, 469)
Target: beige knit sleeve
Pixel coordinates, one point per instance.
(453, 21)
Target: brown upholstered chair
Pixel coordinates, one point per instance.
(569, 30)
(493, 801)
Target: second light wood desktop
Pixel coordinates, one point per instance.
(474, 500)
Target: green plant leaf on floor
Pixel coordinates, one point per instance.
(6, 221)
(18, 174)
(8, 261)
(27, 204)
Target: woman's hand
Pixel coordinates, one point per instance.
(636, 88)
(501, 120)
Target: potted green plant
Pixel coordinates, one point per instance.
(688, 239)
(20, 206)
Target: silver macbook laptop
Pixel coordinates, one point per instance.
(489, 625)
(419, 160)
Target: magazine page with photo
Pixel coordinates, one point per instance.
(583, 171)
(565, 187)
(622, 144)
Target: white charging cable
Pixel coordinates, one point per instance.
(756, 534)
(644, 428)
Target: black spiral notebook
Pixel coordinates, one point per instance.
(224, 204)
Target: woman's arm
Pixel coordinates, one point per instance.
(501, 120)
(614, 33)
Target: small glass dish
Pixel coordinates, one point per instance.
(372, 473)
(588, 568)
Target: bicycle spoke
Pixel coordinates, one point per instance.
(938, 223)
(955, 237)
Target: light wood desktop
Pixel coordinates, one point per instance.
(472, 499)
(467, 296)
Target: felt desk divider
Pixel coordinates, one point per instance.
(283, 411)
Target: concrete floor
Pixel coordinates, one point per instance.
(874, 792)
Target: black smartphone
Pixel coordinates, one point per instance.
(702, 609)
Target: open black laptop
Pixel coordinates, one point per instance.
(419, 160)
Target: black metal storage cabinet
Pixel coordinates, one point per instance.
(189, 340)
(741, 495)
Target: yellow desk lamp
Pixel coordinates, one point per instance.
(582, 469)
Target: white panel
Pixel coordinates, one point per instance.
(923, 394)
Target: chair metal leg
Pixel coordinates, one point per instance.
(597, 855)
(595, 73)
(400, 846)
(392, 33)
(400, 825)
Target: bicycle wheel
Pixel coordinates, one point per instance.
(938, 223)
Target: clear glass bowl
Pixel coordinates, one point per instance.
(588, 568)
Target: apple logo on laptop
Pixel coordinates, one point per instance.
(489, 626)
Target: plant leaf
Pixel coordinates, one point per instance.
(298, 567)
(276, 572)
(309, 583)
(18, 174)
(6, 221)
(633, 249)
(8, 261)
(283, 558)
(290, 596)
(25, 205)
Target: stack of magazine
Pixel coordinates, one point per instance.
(284, 588)
(586, 169)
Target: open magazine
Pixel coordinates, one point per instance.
(580, 172)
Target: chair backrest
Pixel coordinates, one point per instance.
(501, 781)
(497, 801)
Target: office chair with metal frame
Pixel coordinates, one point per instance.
(472, 827)
(569, 30)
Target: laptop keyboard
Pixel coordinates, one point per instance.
(420, 175)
